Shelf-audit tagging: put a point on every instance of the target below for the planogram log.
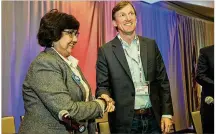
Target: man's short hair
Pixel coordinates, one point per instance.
(119, 6)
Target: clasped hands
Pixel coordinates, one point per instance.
(110, 107)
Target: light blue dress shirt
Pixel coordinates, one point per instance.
(135, 65)
(134, 62)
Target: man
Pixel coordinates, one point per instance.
(205, 77)
(130, 70)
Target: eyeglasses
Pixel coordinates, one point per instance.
(72, 32)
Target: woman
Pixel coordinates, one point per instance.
(54, 82)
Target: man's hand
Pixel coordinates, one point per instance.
(110, 103)
(166, 123)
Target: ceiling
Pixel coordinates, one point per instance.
(202, 9)
(207, 3)
(199, 9)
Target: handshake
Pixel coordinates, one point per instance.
(109, 103)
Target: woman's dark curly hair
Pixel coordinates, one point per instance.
(52, 24)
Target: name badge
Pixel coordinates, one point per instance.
(76, 78)
(143, 89)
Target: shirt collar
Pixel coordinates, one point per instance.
(71, 61)
(125, 44)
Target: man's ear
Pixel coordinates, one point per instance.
(114, 23)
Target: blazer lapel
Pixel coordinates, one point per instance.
(54, 53)
(84, 79)
(119, 53)
(80, 85)
(143, 55)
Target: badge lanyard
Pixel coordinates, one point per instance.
(139, 59)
